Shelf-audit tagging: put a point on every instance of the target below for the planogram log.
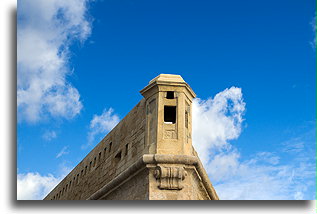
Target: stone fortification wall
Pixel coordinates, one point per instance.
(123, 146)
(147, 156)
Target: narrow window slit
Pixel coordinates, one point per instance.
(110, 145)
(104, 152)
(170, 95)
(117, 158)
(186, 119)
(126, 149)
(94, 162)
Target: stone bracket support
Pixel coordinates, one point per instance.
(170, 177)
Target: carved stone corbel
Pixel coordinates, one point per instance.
(170, 177)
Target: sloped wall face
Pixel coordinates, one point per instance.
(135, 188)
(123, 146)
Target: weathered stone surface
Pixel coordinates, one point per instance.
(147, 156)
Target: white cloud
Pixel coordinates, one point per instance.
(218, 120)
(102, 124)
(259, 179)
(45, 31)
(62, 152)
(34, 186)
(267, 157)
(49, 135)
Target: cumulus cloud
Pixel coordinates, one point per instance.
(219, 120)
(34, 186)
(102, 124)
(62, 152)
(46, 29)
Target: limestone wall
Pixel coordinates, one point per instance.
(117, 151)
(135, 188)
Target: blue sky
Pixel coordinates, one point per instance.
(89, 60)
